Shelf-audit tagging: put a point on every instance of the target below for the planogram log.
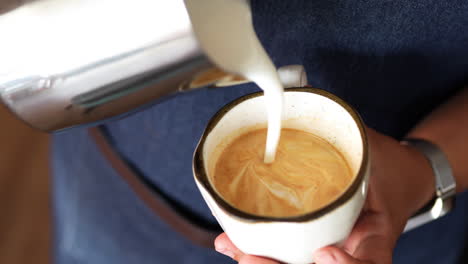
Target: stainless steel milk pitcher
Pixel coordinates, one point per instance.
(65, 63)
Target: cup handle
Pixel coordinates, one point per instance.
(293, 76)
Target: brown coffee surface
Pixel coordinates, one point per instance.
(308, 173)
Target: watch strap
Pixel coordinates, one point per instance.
(445, 185)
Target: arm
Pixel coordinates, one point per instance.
(447, 127)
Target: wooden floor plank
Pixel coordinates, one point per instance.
(24, 193)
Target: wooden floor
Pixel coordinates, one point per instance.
(24, 193)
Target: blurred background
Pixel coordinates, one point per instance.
(24, 193)
(24, 188)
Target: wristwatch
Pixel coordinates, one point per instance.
(445, 186)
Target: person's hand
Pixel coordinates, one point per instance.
(401, 182)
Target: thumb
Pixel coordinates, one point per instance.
(371, 240)
(376, 248)
(334, 255)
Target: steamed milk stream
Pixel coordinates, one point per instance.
(224, 29)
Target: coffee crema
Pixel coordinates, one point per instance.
(307, 174)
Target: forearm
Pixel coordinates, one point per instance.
(447, 127)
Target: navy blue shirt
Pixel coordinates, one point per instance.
(394, 61)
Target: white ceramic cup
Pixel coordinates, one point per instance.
(287, 239)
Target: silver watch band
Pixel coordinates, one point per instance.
(445, 188)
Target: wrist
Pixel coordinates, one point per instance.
(421, 181)
(406, 174)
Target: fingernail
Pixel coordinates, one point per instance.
(325, 257)
(226, 252)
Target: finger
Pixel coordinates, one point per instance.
(249, 259)
(367, 223)
(334, 255)
(224, 246)
(375, 248)
(369, 240)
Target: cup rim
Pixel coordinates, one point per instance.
(202, 177)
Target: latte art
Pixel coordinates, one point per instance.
(308, 173)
